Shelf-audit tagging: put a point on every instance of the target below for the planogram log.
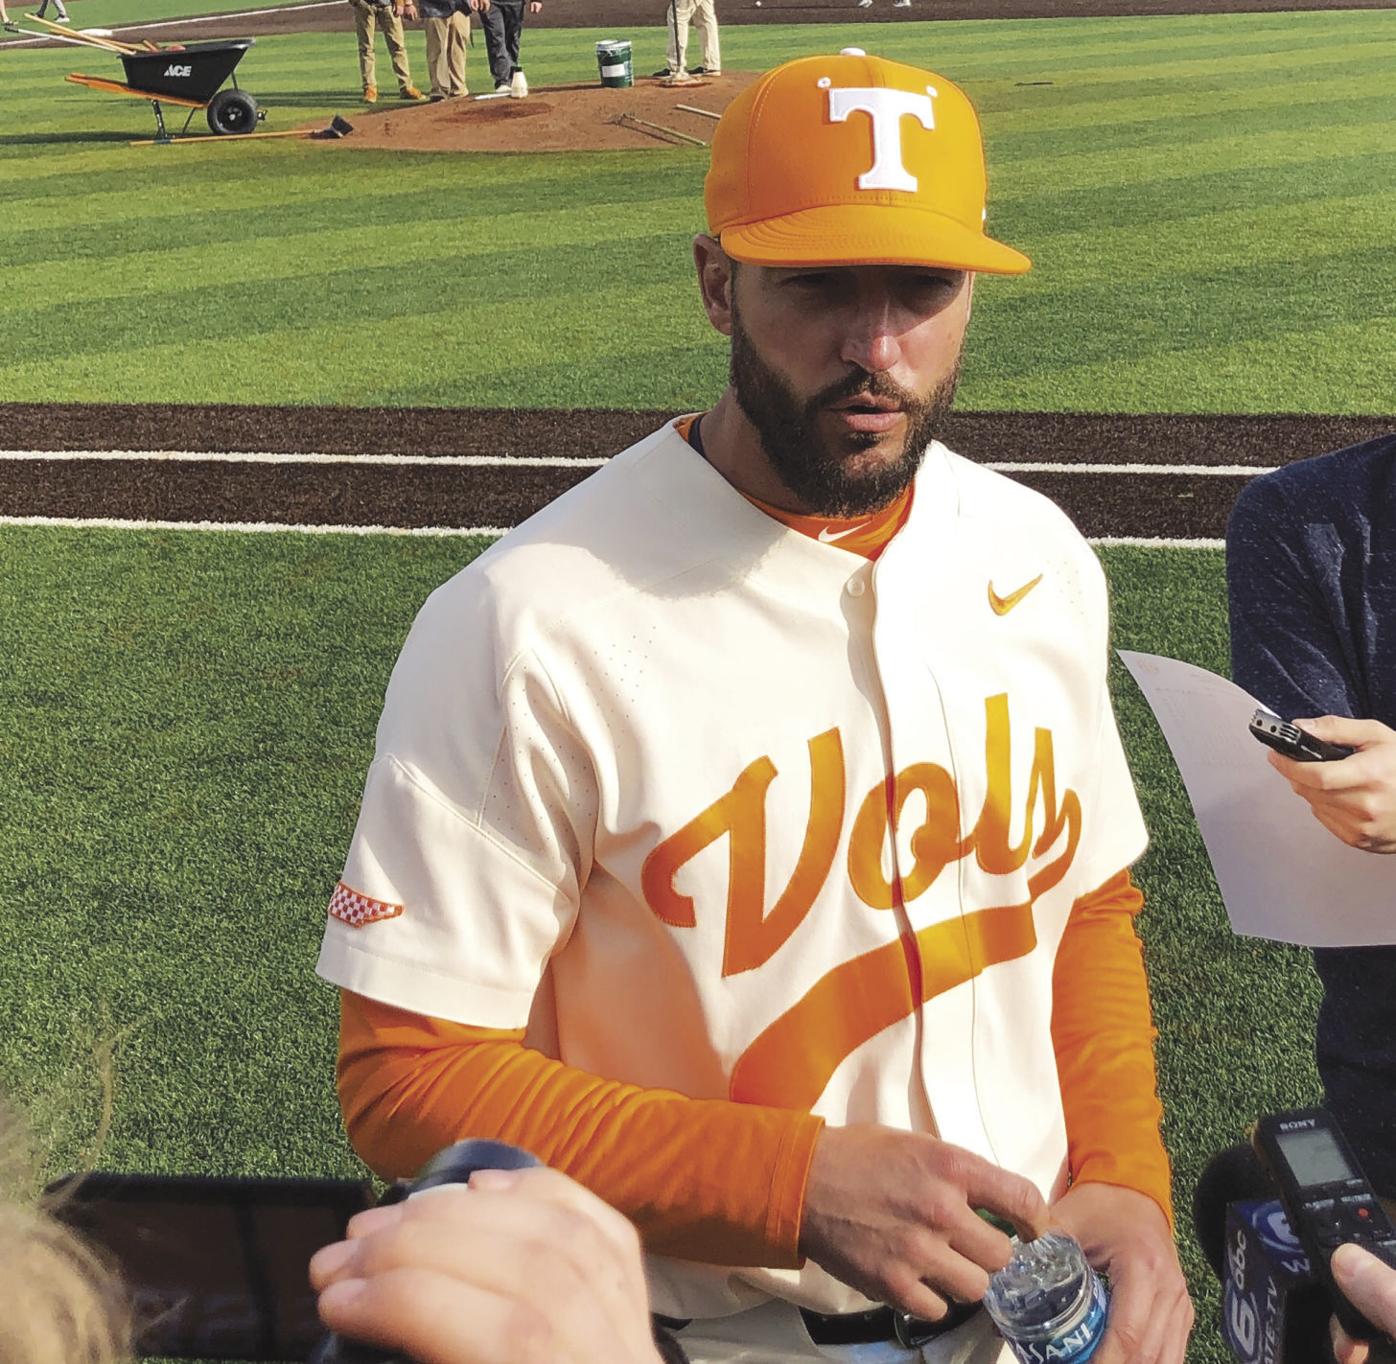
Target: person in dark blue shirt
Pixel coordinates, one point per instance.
(1311, 577)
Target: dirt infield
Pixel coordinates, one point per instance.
(1184, 472)
(621, 15)
(555, 118)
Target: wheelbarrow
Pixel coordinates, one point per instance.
(189, 77)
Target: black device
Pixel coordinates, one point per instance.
(454, 1165)
(1327, 1199)
(1292, 741)
(216, 1267)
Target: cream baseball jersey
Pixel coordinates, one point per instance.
(709, 805)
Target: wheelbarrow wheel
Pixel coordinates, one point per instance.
(232, 111)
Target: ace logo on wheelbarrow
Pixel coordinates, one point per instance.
(192, 82)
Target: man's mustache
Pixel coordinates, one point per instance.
(865, 382)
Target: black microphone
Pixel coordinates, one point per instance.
(1272, 1308)
(454, 1165)
(1233, 1176)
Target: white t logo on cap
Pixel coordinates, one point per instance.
(886, 109)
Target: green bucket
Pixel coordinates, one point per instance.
(613, 57)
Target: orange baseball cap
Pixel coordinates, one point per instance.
(853, 160)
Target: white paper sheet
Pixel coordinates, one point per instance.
(1282, 874)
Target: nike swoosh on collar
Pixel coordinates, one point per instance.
(828, 537)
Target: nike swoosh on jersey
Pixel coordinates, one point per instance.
(1003, 605)
(829, 537)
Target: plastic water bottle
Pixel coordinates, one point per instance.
(1048, 1303)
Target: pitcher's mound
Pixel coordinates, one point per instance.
(555, 118)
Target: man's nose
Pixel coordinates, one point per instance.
(871, 341)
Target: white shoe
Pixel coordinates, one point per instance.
(518, 86)
(502, 88)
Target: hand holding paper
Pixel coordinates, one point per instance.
(1281, 872)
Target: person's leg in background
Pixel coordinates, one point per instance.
(365, 27)
(705, 21)
(501, 68)
(680, 14)
(511, 13)
(391, 24)
(457, 38)
(437, 72)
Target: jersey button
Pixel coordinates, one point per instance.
(856, 587)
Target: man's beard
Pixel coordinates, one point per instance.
(819, 476)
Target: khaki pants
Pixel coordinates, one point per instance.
(446, 40)
(368, 19)
(678, 16)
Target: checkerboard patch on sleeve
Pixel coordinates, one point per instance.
(357, 909)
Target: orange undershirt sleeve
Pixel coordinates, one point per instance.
(704, 1179)
(1103, 1036)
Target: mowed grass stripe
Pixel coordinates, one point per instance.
(1231, 239)
(385, 290)
(580, 350)
(252, 212)
(1017, 332)
(1228, 239)
(297, 258)
(1272, 372)
(1171, 210)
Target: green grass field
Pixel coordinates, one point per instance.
(186, 719)
(1207, 202)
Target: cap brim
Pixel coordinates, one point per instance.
(870, 234)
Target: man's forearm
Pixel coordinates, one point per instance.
(1102, 1033)
(705, 1179)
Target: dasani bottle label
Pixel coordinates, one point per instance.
(1048, 1303)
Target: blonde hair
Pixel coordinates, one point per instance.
(65, 1305)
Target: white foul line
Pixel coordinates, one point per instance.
(1152, 542)
(176, 23)
(267, 457)
(461, 532)
(241, 14)
(567, 461)
(245, 527)
(1189, 470)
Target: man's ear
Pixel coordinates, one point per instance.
(714, 268)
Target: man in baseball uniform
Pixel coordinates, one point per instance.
(749, 833)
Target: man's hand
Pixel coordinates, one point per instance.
(535, 6)
(892, 1214)
(1354, 797)
(1371, 1288)
(1125, 1235)
(518, 1267)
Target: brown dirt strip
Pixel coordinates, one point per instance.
(1102, 504)
(555, 118)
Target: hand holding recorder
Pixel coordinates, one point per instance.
(1345, 769)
